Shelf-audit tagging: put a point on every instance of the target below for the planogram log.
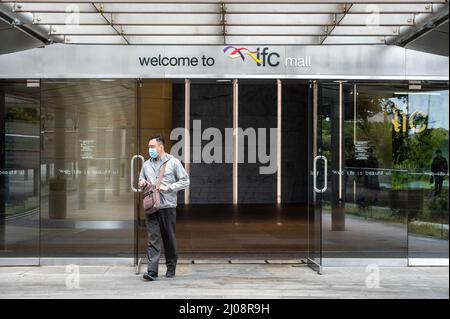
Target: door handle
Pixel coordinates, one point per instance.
(134, 189)
(322, 190)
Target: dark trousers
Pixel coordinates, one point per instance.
(161, 225)
(438, 181)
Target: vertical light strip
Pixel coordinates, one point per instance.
(279, 101)
(235, 141)
(187, 138)
(340, 138)
(354, 133)
(354, 113)
(314, 115)
(314, 128)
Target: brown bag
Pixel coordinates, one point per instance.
(152, 197)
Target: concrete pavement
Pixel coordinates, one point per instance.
(225, 281)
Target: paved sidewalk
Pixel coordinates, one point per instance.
(224, 281)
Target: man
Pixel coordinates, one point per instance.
(439, 168)
(161, 224)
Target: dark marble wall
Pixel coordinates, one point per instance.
(294, 142)
(212, 104)
(257, 109)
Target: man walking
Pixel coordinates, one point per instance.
(161, 224)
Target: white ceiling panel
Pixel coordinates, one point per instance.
(180, 22)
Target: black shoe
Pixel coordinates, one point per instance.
(150, 276)
(170, 274)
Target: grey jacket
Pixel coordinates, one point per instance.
(175, 177)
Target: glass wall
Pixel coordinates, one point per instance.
(422, 149)
(391, 198)
(88, 137)
(67, 144)
(19, 169)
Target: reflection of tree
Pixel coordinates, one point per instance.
(399, 150)
(422, 146)
(22, 114)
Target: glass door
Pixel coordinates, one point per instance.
(19, 172)
(326, 167)
(88, 133)
(317, 179)
(422, 145)
(155, 100)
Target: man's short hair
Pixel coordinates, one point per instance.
(438, 151)
(158, 138)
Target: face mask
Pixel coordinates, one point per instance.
(153, 153)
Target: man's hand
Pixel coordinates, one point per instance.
(163, 188)
(142, 183)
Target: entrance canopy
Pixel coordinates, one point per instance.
(226, 22)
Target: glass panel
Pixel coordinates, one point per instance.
(296, 98)
(88, 132)
(280, 19)
(19, 169)
(354, 39)
(161, 111)
(172, 29)
(422, 149)
(371, 19)
(183, 39)
(371, 197)
(325, 101)
(368, 30)
(284, 7)
(277, 30)
(267, 40)
(384, 198)
(391, 8)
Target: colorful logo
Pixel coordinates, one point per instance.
(261, 57)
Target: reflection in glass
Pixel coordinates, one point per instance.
(392, 136)
(88, 132)
(19, 169)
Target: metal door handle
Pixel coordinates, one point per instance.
(134, 189)
(322, 190)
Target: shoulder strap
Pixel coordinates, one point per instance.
(161, 173)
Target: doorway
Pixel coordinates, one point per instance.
(253, 206)
(374, 145)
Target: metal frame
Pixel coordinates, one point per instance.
(313, 150)
(187, 138)
(235, 141)
(236, 22)
(279, 138)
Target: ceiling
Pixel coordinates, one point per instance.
(228, 22)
